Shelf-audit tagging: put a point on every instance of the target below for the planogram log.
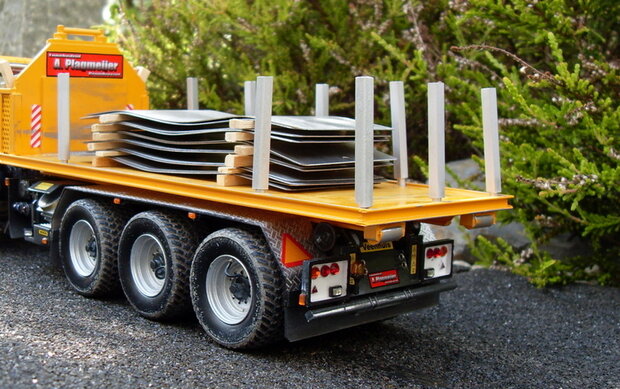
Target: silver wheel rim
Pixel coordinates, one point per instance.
(147, 262)
(83, 248)
(228, 308)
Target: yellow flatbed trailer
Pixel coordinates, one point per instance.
(254, 265)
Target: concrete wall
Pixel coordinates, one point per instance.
(25, 25)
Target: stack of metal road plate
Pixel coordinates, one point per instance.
(168, 142)
(307, 152)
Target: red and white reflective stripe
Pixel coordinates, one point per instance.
(35, 126)
(129, 107)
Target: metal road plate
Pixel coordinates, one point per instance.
(311, 139)
(338, 154)
(224, 148)
(291, 133)
(173, 117)
(323, 123)
(290, 177)
(206, 160)
(162, 169)
(178, 141)
(289, 165)
(295, 178)
(292, 188)
(298, 188)
(176, 130)
(286, 188)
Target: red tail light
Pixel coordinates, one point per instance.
(315, 273)
(436, 252)
(325, 271)
(334, 269)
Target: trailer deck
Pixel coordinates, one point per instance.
(392, 203)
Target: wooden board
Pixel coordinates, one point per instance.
(244, 150)
(232, 160)
(105, 136)
(110, 118)
(108, 153)
(238, 136)
(232, 180)
(242, 124)
(100, 127)
(229, 170)
(105, 162)
(96, 146)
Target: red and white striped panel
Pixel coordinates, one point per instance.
(129, 107)
(35, 126)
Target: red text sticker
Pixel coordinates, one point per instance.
(388, 277)
(85, 65)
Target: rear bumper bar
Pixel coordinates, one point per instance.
(302, 323)
(380, 301)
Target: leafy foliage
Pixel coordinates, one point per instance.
(555, 61)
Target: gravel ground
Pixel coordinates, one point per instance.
(494, 331)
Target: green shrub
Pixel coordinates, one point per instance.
(560, 148)
(555, 63)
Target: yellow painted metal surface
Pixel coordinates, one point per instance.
(90, 92)
(392, 203)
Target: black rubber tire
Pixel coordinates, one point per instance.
(107, 224)
(263, 324)
(179, 243)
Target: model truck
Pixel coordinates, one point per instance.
(255, 261)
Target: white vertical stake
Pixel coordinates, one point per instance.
(399, 131)
(7, 73)
(321, 105)
(262, 134)
(192, 93)
(249, 94)
(490, 130)
(436, 141)
(64, 125)
(364, 138)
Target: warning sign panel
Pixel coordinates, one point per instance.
(85, 65)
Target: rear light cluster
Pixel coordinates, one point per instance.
(438, 259)
(325, 281)
(325, 270)
(436, 252)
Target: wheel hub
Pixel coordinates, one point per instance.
(239, 285)
(91, 247)
(158, 265)
(240, 288)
